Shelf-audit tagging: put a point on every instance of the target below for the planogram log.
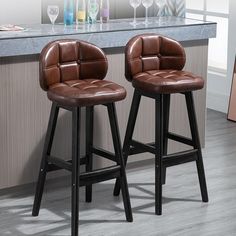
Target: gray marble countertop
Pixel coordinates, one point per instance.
(114, 34)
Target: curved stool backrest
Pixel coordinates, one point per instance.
(152, 52)
(65, 60)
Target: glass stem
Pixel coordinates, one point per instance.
(158, 10)
(135, 15)
(146, 17)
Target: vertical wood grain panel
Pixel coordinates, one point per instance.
(4, 73)
(25, 110)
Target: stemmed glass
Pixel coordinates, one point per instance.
(134, 4)
(53, 12)
(160, 4)
(93, 8)
(147, 4)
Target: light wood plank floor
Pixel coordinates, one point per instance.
(183, 211)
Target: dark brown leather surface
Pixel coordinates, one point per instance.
(72, 73)
(86, 92)
(167, 81)
(154, 64)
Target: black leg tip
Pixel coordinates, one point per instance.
(116, 191)
(34, 214)
(35, 211)
(158, 212)
(88, 194)
(205, 200)
(130, 219)
(88, 197)
(88, 200)
(204, 196)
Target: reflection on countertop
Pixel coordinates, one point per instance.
(114, 34)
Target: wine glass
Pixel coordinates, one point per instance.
(134, 4)
(53, 12)
(147, 4)
(93, 8)
(160, 4)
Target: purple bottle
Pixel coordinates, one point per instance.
(104, 11)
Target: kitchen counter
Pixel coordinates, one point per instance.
(24, 107)
(116, 33)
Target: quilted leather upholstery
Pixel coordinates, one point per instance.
(167, 81)
(72, 73)
(154, 64)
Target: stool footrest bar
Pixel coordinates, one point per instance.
(180, 158)
(138, 150)
(99, 175)
(56, 163)
(139, 147)
(180, 139)
(103, 153)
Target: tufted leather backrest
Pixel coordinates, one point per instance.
(152, 52)
(65, 60)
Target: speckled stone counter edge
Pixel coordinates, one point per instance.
(106, 39)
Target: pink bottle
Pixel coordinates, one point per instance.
(104, 11)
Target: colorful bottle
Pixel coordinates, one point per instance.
(68, 12)
(104, 11)
(80, 11)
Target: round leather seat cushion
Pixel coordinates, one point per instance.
(87, 92)
(167, 81)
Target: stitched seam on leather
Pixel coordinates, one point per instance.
(106, 85)
(73, 85)
(50, 67)
(89, 87)
(68, 63)
(92, 61)
(93, 82)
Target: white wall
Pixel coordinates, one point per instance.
(232, 40)
(219, 84)
(20, 11)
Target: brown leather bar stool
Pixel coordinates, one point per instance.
(72, 73)
(153, 64)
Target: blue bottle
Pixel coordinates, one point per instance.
(68, 12)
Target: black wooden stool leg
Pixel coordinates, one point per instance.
(75, 171)
(159, 153)
(44, 163)
(197, 145)
(166, 104)
(89, 145)
(118, 151)
(129, 134)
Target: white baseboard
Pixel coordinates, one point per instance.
(218, 102)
